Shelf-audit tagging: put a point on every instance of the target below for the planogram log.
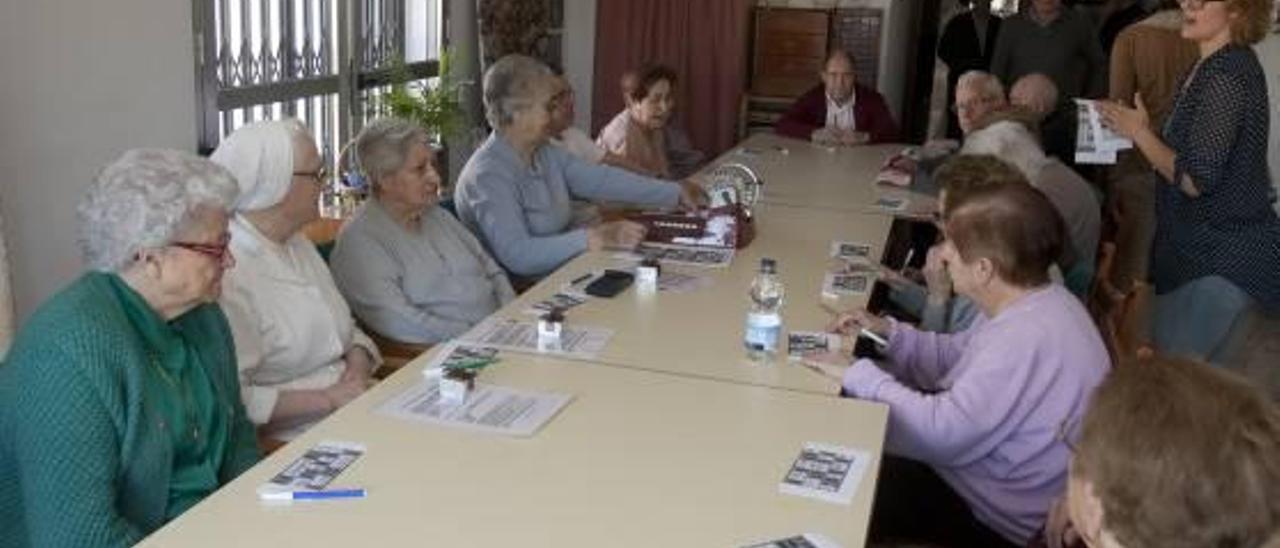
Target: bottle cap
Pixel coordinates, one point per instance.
(768, 266)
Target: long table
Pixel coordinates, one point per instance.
(700, 333)
(673, 436)
(636, 459)
(816, 177)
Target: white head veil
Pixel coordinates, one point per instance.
(260, 156)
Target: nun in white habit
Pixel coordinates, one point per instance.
(300, 354)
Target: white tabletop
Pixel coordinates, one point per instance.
(636, 459)
(700, 333)
(801, 173)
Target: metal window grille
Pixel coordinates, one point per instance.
(324, 62)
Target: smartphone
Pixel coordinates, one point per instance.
(864, 347)
(611, 283)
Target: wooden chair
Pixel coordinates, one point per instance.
(267, 444)
(1122, 315)
(395, 354)
(324, 233)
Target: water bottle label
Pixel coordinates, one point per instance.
(762, 332)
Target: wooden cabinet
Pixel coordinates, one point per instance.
(789, 47)
(857, 31)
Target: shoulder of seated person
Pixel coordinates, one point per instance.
(485, 175)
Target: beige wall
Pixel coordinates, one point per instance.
(579, 55)
(82, 82)
(1269, 55)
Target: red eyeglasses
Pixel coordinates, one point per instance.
(218, 252)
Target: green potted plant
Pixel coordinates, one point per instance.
(434, 106)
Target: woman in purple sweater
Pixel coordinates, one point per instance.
(974, 416)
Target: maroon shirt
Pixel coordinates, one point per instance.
(809, 113)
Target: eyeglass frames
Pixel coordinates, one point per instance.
(319, 176)
(218, 252)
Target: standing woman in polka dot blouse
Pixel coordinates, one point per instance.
(1216, 256)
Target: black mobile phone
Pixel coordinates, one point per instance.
(864, 347)
(611, 283)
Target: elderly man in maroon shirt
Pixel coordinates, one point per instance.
(839, 111)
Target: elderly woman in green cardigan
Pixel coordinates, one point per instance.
(119, 402)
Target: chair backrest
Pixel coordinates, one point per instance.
(1122, 315)
(323, 233)
(448, 204)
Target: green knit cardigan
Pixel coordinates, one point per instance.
(83, 459)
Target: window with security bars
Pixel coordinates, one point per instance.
(325, 62)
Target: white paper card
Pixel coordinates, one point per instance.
(490, 409)
(679, 282)
(563, 300)
(315, 469)
(1095, 142)
(838, 284)
(522, 336)
(807, 540)
(804, 344)
(851, 251)
(692, 255)
(826, 472)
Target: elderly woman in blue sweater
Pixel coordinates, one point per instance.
(515, 191)
(119, 402)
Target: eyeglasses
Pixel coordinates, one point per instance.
(1197, 4)
(218, 252)
(320, 176)
(960, 108)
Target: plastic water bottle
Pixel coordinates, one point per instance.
(764, 323)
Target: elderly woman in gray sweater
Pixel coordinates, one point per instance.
(407, 267)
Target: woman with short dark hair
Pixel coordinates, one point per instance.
(638, 133)
(973, 415)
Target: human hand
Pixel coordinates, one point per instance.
(828, 364)
(825, 137)
(345, 390)
(849, 137)
(851, 322)
(1128, 122)
(895, 279)
(615, 235)
(936, 148)
(692, 194)
(935, 273)
(1058, 530)
(359, 365)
